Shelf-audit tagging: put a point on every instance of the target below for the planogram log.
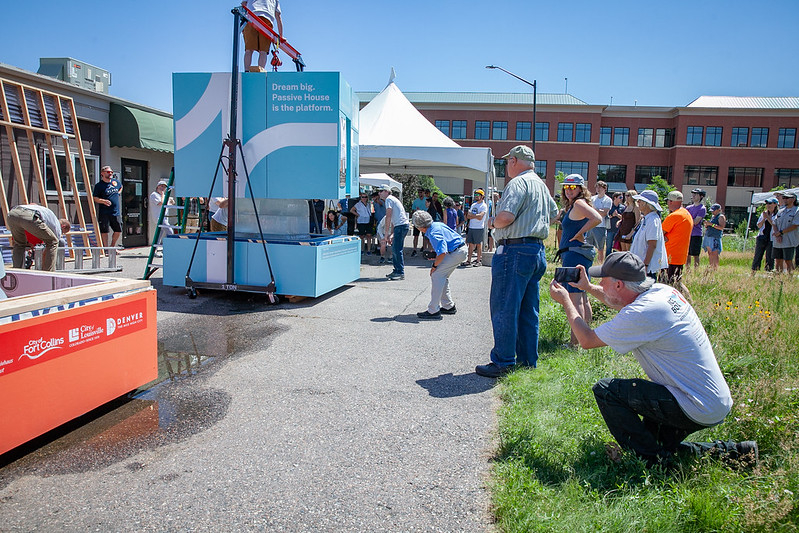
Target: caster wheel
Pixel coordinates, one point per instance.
(192, 293)
(273, 298)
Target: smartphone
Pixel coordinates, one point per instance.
(564, 275)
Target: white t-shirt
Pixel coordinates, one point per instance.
(651, 230)
(664, 334)
(398, 215)
(364, 213)
(265, 8)
(606, 202)
(476, 209)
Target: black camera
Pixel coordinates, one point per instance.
(564, 275)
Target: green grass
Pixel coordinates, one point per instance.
(551, 472)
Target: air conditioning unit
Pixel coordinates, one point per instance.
(76, 72)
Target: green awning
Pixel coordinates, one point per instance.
(131, 127)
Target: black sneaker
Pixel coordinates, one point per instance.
(491, 370)
(427, 315)
(746, 453)
(450, 311)
(395, 276)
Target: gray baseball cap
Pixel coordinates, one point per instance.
(625, 266)
(521, 152)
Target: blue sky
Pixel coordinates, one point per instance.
(655, 53)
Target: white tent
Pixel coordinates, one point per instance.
(761, 197)
(377, 179)
(394, 137)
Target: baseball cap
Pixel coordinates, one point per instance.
(772, 201)
(624, 266)
(574, 179)
(384, 188)
(650, 197)
(161, 182)
(715, 206)
(481, 192)
(699, 191)
(788, 194)
(675, 195)
(522, 152)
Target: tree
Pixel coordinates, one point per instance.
(662, 187)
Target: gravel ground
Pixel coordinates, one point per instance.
(341, 413)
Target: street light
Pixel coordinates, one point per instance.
(532, 84)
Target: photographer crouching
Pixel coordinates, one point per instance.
(687, 391)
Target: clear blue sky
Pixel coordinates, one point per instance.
(658, 53)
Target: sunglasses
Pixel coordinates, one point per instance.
(571, 187)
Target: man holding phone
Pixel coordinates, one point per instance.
(521, 224)
(687, 391)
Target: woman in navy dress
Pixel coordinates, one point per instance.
(579, 218)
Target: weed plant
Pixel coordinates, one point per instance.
(551, 471)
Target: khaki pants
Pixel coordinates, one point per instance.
(20, 220)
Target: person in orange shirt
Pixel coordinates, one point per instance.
(677, 232)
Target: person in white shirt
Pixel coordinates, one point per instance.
(685, 392)
(476, 218)
(648, 243)
(156, 201)
(269, 13)
(362, 211)
(602, 203)
(396, 230)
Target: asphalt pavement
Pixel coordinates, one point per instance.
(340, 413)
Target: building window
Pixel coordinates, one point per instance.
(572, 167)
(458, 129)
(713, 136)
(787, 138)
(740, 137)
(700, 175)
(565, 132)
(612, 173)
(644, 174)
(645, 136)
(523, 131)
(694, 136)
(583, 133)
(621, 136)
(500, 131)
(759, 137)
(499, 167)
(92, 166)
(443, 126)
(745, 176)
(664, 137)
(482, 129)
(788, 177)
(542, 131)
(541, 168)
(604, 136)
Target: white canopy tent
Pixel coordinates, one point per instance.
(378, 179)
(394, 137)
(757, 199)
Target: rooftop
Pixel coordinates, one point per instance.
(747, 102)
(481, 98)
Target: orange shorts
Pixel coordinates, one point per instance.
(255, 40)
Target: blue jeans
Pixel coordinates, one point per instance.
(609, 244)
(515, 274)
(397, 256)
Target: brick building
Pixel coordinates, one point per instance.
(729, 146)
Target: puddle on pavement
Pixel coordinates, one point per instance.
(170, 409)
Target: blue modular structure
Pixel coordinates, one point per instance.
(299, 140)
(309, 266)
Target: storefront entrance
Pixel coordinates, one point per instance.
(134, 203)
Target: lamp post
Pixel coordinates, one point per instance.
(532, 84)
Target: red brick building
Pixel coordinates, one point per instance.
(729, 146)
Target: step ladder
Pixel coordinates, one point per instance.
(166, 210)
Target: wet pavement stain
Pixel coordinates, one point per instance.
(174, 407)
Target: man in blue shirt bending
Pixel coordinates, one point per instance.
(450, 252)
